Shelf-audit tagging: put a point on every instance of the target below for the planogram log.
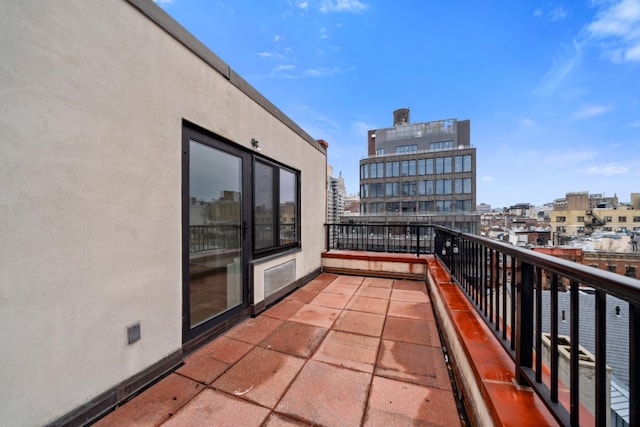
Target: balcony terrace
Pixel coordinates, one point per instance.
(440, 336)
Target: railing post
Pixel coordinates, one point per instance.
(634, 370)
(524, 320)
(327, 228)
(601, 358)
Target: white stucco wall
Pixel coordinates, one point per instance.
(92, 98)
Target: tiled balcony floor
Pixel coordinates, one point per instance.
(341, 351)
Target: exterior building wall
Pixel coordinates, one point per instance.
(95, 95)
(402, 178)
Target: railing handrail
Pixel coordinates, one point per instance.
(623, 287)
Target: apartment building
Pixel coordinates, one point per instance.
(581, 213)
(336, 195)
(420, 171)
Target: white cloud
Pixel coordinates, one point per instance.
(560, 69)
(618, 29)
(354, 6)
(284, 67)
(303, 5)
(589, 111)
(277, 38)
(557, 14)
(538, 12)
(486, 178)
(527, 122)
(265, 54)
(608, 170)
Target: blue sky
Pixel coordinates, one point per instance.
(552, 89)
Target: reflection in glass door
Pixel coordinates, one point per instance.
(215, 271)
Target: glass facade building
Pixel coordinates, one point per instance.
(422, 170)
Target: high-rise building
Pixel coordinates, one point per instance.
(336, 194)
(422, 172)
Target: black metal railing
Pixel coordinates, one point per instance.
(381, 237)
(507, 284)
(211, 237)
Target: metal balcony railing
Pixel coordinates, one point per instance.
(379, 237)
(506, 285)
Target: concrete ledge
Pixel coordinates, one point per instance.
(380, 264)
(484, 371)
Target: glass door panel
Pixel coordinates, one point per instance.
(215, 232)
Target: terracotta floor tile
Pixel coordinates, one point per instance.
(284, 309)
(297, 339)
(415, 331)
(374, 292)
(360, 323)
(410, 285)
(261, 376)
(349, 350)
(348, 280)
(276, 420)
(202, 367)
(395, 403)
(368, 304)
(226, 349)
(339, 288)
(156, 404)
(316, 315)
(377, 282)
(410, 296)
(327, 299)
(254, 330)
(303, 295)
(214, 408)
(327, 395)
(411, 310)
(316, 285)
(419, 364)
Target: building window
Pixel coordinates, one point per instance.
(622, 219)
(377, 170)
(276, 202)
(441, 145)
(393, 169)
(561, 219)
(636, 219)
(408, 168)
(364, 171)
(379, 151)
(561, 229)
(393, 207)
(425, 207)
(580, 219)
(425, 188)
(443, 165)
(580, 229)
(409, 188)
(462, 163)
(443, 186)
(425, 167)
(376, 190)
(402, 149)
(463, 205)
(376, 207)
(364, 191)
(462, 186)
(630, 271)
(408, 207)
(443, 206)
(392, 189)
(611, 268)
(608, 218)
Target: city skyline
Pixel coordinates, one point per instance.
(551, 90)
